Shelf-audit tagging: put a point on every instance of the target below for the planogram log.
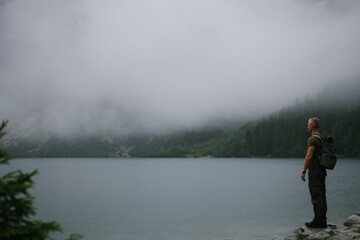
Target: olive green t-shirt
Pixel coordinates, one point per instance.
(316, 142)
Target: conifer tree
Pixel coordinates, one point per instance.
(16, 205)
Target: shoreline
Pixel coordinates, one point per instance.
(348, 230)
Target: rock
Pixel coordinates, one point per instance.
(303, 232)
(333, 226)
(350, 230)
(352, 220)
(318, 236)
(291, 236)
(339, 236)
(354, 235)
(356, 228)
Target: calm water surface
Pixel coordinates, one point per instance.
(187, 199)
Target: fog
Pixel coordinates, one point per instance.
(156, 66)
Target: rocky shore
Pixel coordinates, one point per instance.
(349, 230)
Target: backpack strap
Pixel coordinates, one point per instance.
(317, 136)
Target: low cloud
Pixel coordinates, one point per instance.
(149, 66)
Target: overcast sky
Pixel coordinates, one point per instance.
(157, 65)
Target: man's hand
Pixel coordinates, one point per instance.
(303, 176)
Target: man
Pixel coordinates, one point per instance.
(316, 175)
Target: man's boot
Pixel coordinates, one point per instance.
(316, 223)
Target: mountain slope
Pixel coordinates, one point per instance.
(281, 134)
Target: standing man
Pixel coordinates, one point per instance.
(316, 175)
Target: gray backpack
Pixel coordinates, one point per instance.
(328, 152)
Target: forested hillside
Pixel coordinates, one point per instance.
(281, 134)
(284, 133)
(172, 145)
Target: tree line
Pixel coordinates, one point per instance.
(281, 134)
(284, 134)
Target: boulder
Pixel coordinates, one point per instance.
(352, 220)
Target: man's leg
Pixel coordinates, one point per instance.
(318, 199)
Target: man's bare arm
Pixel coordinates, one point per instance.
(309, 155)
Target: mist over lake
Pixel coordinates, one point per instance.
(88, 66)
(177, 199)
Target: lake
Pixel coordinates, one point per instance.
(183, 199)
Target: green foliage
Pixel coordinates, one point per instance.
(331, 233)
(300, 237)
(16, 206)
